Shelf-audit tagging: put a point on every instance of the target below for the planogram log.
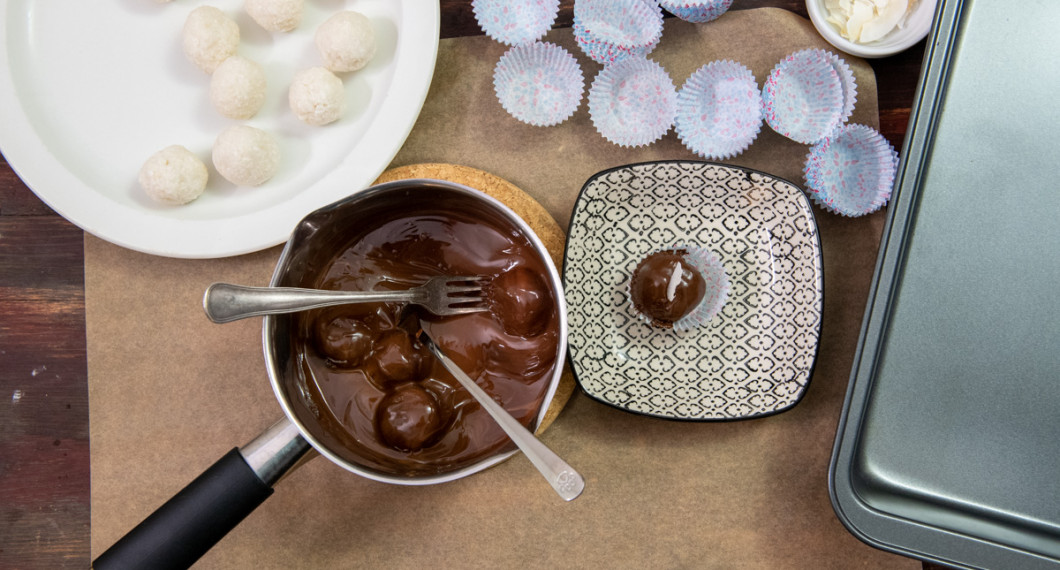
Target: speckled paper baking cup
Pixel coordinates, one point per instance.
(851, 172)
(719, 110)
(802, 98)
(612, 30)
(632, 102)
(515, 23)
(540, 84)
(697, 11)
(847, 82)
(716, 292)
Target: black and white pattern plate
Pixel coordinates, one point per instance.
(756, 356)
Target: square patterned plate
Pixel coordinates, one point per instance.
(756, 356)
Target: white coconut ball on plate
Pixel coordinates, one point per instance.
(317, 96)
(174, 175)
(276, 15)
(209, 37)
(237, 88)
(246, 156)
(346, 41)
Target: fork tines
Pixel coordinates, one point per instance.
(465, 294)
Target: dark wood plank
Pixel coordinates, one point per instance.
(44, 461)
(15, 198)
(897, 90)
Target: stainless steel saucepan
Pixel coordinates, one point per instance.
(190, 523)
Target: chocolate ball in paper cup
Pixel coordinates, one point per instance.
(697, 11)
(682, 287)
(515, 23)
(719, 110)
(802, 98)
(851, 172)
(540, 84)
(609, 31)
(632, 102)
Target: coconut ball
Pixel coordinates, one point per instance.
(317, 96)
(210, 37)
(275, 15)
(173, 175)
(237, 88)
(246, 156)
(346, 40)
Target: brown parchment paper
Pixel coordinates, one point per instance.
(170, 392)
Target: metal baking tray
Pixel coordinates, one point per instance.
(948, 449)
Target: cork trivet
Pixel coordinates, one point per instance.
(527, 208)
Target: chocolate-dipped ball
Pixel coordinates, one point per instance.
(343, 340)
(665, 287)
(397, 357)
(408, 418)
(520, 301)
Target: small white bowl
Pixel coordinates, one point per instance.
(917, 27)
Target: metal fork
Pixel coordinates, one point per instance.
(444, 296)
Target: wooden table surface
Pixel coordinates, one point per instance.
(44, 447)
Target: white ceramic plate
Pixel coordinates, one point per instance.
(91, 89)
(756, 356)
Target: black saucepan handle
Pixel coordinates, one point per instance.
(184, 528)
(189, 524)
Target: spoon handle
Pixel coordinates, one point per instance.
(563, 478)
(225, 302)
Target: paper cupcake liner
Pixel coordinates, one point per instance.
(606, 53)
(851, 172)
(540, 84)
(515, 23)
(719, 110)
(802, 98)
(847, 82)
(632, 102)
(718, 286)
(612, 30)
(697, 11)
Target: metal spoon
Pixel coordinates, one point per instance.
(563, 478)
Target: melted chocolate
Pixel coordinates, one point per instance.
(665, 287)
(392, 407)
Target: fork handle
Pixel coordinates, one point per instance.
(225, 302)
